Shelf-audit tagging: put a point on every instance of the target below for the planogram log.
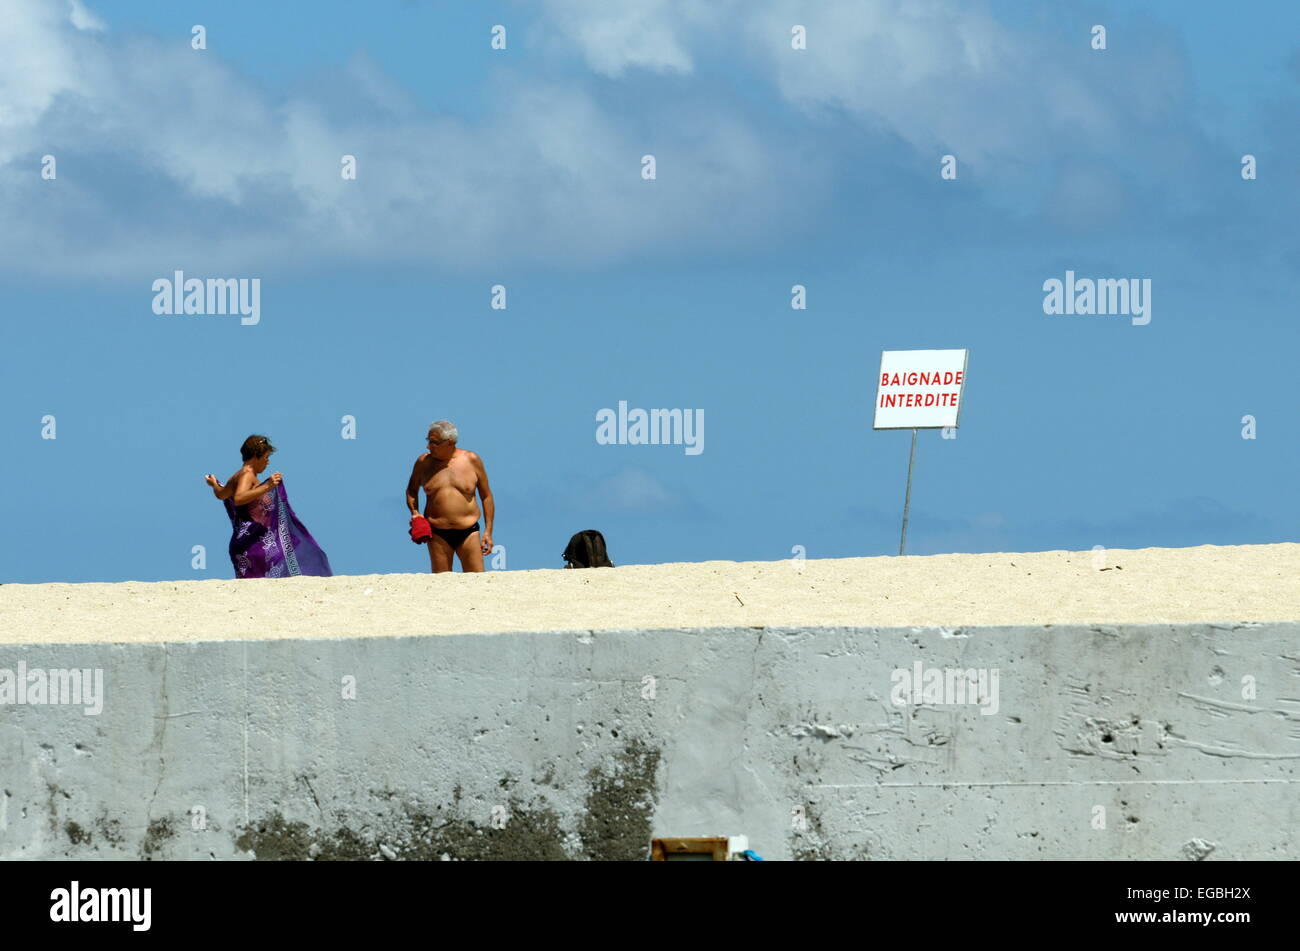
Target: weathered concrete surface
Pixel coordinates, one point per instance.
(583, 745)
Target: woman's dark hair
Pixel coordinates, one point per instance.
(255, 446)
(587, 550)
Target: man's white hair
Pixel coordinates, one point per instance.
(443, 429)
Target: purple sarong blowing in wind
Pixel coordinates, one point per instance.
(269, 542)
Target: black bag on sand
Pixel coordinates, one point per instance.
(587, 550)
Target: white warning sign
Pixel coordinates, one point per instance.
(920, 389)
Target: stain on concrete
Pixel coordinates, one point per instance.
(529, 834)
(159, 831)
(548, 775)
(110, 830)
(278, 840)
(76, 834)
(620, 806)
(52, 804)
(614, 826)
(808, 841)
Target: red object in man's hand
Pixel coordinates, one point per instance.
(421, 530)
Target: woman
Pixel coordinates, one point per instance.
(267, 541)
(587, 550)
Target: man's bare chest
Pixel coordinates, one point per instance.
(457, 474)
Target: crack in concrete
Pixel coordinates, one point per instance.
(160, 736)
(1058, 782)
(1237, 707)
(1228, 753)
(245, 653)
(314, 798)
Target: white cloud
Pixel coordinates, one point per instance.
(940, 74)
(647, 34)
(37, 63)
(83, 19)
(169, 158)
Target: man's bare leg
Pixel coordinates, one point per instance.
(440, 554)
(471, 553)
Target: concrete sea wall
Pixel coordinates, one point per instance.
(1151, 741)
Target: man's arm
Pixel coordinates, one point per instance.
(413, 488)
(489, 504)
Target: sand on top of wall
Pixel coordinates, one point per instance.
(1206, 583)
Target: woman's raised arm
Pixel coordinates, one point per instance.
(219, 490)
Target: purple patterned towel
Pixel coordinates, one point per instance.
(268, 541)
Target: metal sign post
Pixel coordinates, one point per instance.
(907, 499)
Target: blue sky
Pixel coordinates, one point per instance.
(521, 167)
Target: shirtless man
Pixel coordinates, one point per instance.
(449, 477)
